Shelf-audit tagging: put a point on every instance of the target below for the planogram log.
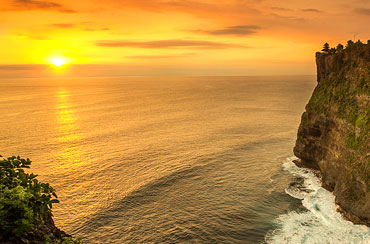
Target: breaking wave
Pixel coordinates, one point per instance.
(320, 222)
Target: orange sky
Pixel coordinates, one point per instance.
(174, 37)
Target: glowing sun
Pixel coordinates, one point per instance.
(58, 61)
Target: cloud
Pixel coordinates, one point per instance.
(83, 26)
(19, 66)
(168, 44)
(281, 9)
(161, 56)
(312, 10)
(291, 19)
(153, 56)
(364, 11)
(96, 29)
(36, 4)
(64, 25)
(201, 8)
(237, 30)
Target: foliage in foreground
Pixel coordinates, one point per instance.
(25, 203)
(65, 240)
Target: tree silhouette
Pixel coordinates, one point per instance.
(350, 43)
(358, 43)
(326, 48)
(340, 47)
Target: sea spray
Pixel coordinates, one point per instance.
(320, 222)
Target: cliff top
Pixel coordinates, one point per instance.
(354, 54)
(327, 50)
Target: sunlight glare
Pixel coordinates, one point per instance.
(58, 61)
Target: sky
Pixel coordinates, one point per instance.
(173, 37)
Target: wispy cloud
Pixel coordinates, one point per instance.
(154, 56)
(81, 26)
(64, 25)
(168, 44)
(96, 29)
(236, 30)
(161, 56)
(281, 9)
(19, 67)
(195, 7)
(36, 4)
(364, 11)
(312, 10)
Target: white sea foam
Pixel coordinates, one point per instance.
(321, 223)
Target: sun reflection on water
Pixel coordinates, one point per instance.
(71, 154)
(72, 160)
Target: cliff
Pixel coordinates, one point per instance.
(334, 134)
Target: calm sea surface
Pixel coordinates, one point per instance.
(159, 160)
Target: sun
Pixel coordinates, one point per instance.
(58, 61)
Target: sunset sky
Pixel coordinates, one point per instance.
(178, 37)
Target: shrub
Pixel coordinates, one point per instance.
(24, 201)
(353, 141)
(64, 240)
(340, 47)
(350, 44)
(70, 240)
(16, 216)
(362, 121)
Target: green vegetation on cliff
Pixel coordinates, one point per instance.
(334, 135)
(346, 91)
(26, 206)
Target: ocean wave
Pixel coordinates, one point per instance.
(320, 222)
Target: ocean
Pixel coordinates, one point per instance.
(173, 159)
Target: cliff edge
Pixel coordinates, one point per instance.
(334, 134)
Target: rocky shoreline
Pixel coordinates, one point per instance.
(347, 215)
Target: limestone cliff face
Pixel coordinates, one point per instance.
(334, 134)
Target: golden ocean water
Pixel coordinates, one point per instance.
(159, 159)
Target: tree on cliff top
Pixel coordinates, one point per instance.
(340, 47)
(350, 44)
(326, 48)
(358, 43)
